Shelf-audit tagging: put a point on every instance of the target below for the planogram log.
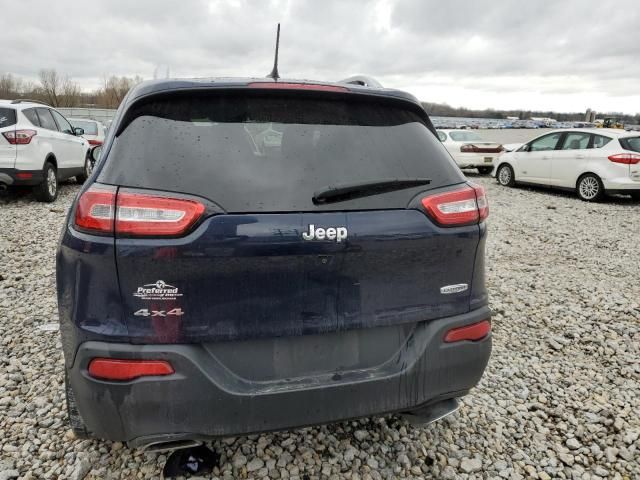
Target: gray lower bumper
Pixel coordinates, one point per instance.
(205, 399)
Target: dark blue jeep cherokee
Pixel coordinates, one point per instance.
(253, 255)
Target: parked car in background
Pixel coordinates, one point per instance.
(593, 162)
(219, 285)
(469, 150)
(39, 147)
(94, 131)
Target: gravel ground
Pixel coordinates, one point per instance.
(560, 398)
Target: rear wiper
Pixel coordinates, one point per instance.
(342, 192)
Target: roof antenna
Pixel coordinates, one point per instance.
(274, 73)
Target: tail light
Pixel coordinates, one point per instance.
(473, 332)
(20, 137)
(468, 148)
(133, 214)
(465, 206)
(121, 370)
(95, 142)
(625, 158)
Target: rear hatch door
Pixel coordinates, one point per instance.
(8, 152)
(267, 260)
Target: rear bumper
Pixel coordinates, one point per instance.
(204, 398)
(15, 177)
(474, 160)
(621, 185)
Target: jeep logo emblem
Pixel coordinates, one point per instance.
(331, 233)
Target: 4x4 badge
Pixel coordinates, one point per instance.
(159, 290)
(336, 234)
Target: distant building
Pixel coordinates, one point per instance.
(590, 115)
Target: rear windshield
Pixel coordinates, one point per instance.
(259, 153)
(465, 136)
(90, 128)
(7, 117)
(631, 143)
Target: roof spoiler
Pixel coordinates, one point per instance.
(28, 100)
(363, 81)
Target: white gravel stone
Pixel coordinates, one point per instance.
(564, 364)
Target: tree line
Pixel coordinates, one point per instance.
(61, 91)
(444, 110)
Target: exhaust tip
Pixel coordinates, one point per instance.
(171, 445)
(432, 413)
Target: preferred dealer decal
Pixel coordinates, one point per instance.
(158, 290)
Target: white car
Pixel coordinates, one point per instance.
(94, 131)
(39, 147)
(592, 161)
(469, 150)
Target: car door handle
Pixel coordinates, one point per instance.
(581, 156)
(546, 157)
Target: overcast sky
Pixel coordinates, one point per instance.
(558, 55)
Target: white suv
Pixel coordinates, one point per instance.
(592, 162)
(39, 147)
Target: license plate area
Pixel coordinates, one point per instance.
(488, 159)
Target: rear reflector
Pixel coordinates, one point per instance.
(20, 137)
(298, 86)
(116, 369)
(134, 214)
(625, 158)
(24, 175)
(465, 206)
(473, 332)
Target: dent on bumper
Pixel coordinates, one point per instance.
(203, 399)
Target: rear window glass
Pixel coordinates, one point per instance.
(7, 117)
(90, 128)
(258, 153)
(32, 116)
(465, 136)
(599, 141)
(631, 143)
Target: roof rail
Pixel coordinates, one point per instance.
(362, 80)
(28, 100)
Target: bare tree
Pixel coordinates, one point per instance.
(115, 89)
(51, 85)
(71, 93)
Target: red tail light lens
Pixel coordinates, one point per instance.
(121, 370)
(95, 210)
(625, 158)
(468, 148)
(473, 332)
(132, 214)
(465, 206)
(20, 137)
(147, 215)
(95, 142)
(298, 86)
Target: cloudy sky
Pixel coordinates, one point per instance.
(559, 55)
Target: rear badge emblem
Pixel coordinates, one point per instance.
(159, 290)
(457, 288)
(336, 234)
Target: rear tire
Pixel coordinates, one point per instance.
(484, 170)
(590, 188)
(75, 420)
(88, 169)
(505, 176)
(47, 191)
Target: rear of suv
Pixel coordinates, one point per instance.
(254, 255)
(39, 148)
